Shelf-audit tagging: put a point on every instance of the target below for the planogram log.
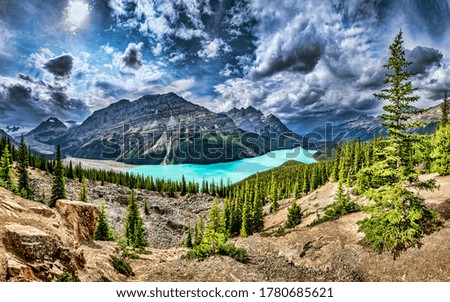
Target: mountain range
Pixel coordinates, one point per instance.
(366, 126)
(167, 129)
(164, 129)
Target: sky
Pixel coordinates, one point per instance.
(308, 62)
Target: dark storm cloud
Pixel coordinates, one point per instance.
(60, 66)
(24, 102)
(423, 58)
(301, 58)
(110, 89)
(132, 57)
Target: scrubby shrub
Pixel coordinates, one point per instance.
(122, 266)
(294, 216)
(66, 277)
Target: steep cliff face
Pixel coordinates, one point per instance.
(159, 129)
(39, 243)
(253, 120)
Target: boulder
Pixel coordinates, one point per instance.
(80, 217)
(30, 243)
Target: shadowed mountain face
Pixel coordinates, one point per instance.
(42, 137)
(163, 129)
(4, 134)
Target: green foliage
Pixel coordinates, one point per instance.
(146, 209)
(188, 243)
(341, 206)
(134, 227)
(121, 266)
(445, 107)
(22, 167)
(6, 172)
(103, 231)
(59, 185)
(294, 216)
(398, 219)
(66, 277)
(441, 150)
(83, 195)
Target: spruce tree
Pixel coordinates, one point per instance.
(134, 227)
(183, 186)
(445, 107)
(188, 243)
(294, 216)
(22, 166)
(215, 219)
(257, 215)
(83, 195)
(440, 154)
(397, 218)
(146, 209)
(246, 226)
(59, 185)
(6, 172)
(103, 231)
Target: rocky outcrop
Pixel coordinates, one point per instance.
(79, 217)
(39, 243)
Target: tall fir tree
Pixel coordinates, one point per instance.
(440, 143)
(103, 231)
(215, 218)
(59, 183)
(134, 232)
(188, 243)
(294, 216)
(445, 107)
(83, 194)
(6, 172)
(398, 217)
(22, 167)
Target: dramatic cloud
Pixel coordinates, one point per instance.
(423, 59)
(305, 61)
(25, 101)
(132, 58)
(60, 66)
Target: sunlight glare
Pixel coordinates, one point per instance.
(77, 13)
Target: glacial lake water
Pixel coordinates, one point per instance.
(234, 171)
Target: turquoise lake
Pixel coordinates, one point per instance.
(233, 171)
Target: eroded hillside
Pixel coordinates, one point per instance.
(38, 243)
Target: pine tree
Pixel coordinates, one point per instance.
(441, 150)
(246, 226)
(183, 186)
(257, 215)
(294, 216)
(83, 195)
(6, 172)
(188, 243)
(199, 231)
(23, 162)
(134, 227)
(215, 219)
(397, 218)
(103, 231)
(59, 185)
(445, 107)
(146, 209)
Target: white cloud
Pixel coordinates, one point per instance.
(212, 49)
